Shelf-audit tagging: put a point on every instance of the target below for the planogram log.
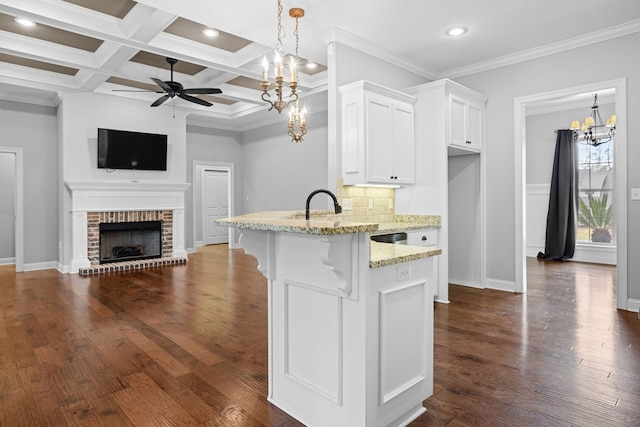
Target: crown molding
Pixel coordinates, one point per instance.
(348, 39)
(550, 49)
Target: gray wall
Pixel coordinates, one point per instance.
(549, 73)
(278, 173)
(34, 129)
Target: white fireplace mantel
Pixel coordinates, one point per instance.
(110, 196)
(126, 195)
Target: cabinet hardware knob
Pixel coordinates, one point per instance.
(424, 238)
(468, 142)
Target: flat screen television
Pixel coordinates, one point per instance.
(121, 149)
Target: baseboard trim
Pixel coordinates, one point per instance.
(633, 305)
(7, 261)
(40, 266)
(501, 285)
(454, 281)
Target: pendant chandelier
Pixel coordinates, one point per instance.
(280, 101)
(593, 131)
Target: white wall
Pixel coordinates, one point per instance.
(210, 145)
(279, 174)
(549, 73)
(7, 207)
(34, 129)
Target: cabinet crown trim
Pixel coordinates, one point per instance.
(376, 88)
(449, 86)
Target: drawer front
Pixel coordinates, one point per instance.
(426, 237)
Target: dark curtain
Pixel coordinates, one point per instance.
(562, 217)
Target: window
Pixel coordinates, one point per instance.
(595, 193)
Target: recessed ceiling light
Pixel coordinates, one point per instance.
(25, 22)
(456, 31)
(311, 65)
(210, 32)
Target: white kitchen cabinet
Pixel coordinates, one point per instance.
(465, 124)
(378, 139)
(445, 110)
(427, 237)
(424, 237)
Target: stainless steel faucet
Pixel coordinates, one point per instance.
(336, 206)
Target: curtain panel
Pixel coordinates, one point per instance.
(562, 216)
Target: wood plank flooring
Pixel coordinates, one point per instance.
(187, 346)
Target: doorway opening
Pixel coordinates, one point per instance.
(12, 159)
(521, 106)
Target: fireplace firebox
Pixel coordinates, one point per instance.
(128, 241)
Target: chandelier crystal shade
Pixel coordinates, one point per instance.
(593, 130)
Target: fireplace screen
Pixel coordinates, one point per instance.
(127, 241)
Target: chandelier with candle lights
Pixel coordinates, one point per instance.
(280, 101)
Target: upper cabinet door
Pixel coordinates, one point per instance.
(465, 123)
(403, 144)
(457, 121)
(379, 118)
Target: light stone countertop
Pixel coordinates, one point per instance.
(291, 222)
(326, 223)
(383, 254)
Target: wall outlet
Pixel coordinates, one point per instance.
(347, 204)
(635, 194)
(403, 272)
(370, 203)
(390, 203)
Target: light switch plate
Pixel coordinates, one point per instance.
(635, 194)
(370, 203)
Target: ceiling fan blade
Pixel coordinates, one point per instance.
(194, 99)
(203, 90)
(134, 90)
(160, 100)
(162, 84)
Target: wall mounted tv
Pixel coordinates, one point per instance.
(121, 149)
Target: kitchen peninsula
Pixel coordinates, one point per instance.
(350, 320)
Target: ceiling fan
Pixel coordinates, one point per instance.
(173, 89)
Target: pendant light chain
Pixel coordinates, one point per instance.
(280, 28)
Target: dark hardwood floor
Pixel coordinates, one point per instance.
(187, 345)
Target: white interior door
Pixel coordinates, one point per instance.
(216, 206)
(7, 208)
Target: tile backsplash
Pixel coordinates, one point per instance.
(367, 203)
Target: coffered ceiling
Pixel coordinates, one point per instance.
(116, 46)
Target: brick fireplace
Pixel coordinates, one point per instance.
(97, 220)
(93, 204)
